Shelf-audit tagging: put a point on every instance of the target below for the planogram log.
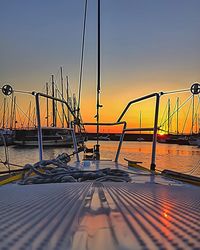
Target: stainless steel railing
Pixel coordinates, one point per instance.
(119, 122)
(112, 124)
(154, 129)
(71, 129)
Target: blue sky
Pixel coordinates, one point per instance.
(147, 45)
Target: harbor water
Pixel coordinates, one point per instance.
(181, 158)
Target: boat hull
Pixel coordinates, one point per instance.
(51, 137)
(49, 143)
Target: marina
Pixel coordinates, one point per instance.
(98, 183)
(180, 158)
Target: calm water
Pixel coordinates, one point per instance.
(176, 157)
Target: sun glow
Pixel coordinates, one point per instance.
(161, 133)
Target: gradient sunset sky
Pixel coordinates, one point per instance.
(147, 46)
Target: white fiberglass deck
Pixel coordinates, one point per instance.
(149, 213)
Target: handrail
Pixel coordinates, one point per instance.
(103, 123)
(111, 124)
(40, 144)
(139, 129)
(56, 99)
(155, 128)
(119, 122)
(134, 101)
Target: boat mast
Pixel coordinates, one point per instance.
(11, 112)
(62, 93)
(53, 102)
(34, 118)
(98, 82)
(56, 106)
(29, 114)
(197, 122)
(192, 114)
(177, 105)
(8, 114)
(168, 117)
(14, 113)
(75, 110)
(47, 114)
(140, 121)
(68, 114)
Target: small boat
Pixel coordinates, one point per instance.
(173, 139)
(194, 141)
(104, 138)
(51, 137)
(140, 139)
(6, 137)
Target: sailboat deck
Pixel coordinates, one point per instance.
(148, 213)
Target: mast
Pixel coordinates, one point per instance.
(68, 101)
(98, 81)
(34, 118)
(56, 106)
(192, 114)
(74, 109)
(8, 113)
(168, 117)
(29, 114)
(140, 121)
(62, 93)
(47, 102)
(11, 112)
(14, 113)
(53, 102)
(197, 121)
(82, 59)
(177, 104)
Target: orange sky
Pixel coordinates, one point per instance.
(146, 47)
(111, 111)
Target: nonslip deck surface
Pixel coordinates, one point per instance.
(99, 216)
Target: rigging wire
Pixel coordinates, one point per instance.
(1, 107)
(6, 115)
(98, 76)
(186, 117)
(60, 97)
(194, 118)
(20, 120)
(82, 58)
(170, 118)
(24, 121)
(6, 151)
(23, 112)
(163, 114)
(175, 91)
(22, 92)
(177, 109)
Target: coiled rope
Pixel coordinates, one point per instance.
(57, 171)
